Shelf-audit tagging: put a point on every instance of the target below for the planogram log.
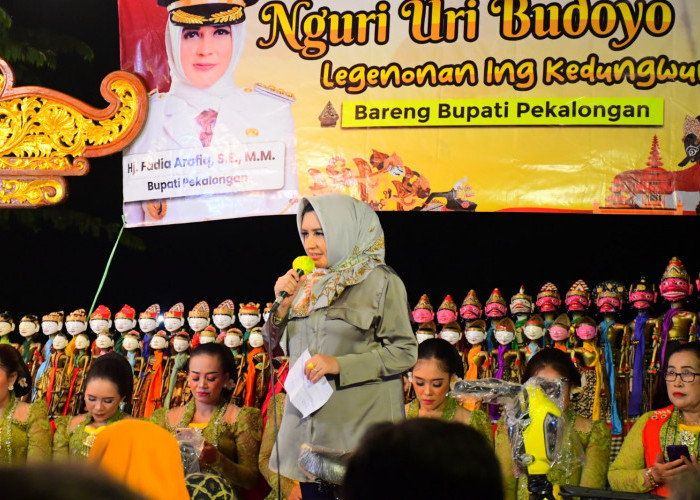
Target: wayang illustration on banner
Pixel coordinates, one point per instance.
(489, 105)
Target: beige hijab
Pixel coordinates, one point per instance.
(355, 246)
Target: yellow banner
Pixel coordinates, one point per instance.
(427, 105)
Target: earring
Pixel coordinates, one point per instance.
(11, 388)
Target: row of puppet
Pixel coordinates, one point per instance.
(620, 362)
(158, 358)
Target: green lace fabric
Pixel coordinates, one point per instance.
(478, 420)
(76, 444)
(627, 471)
(238, 442)
(584, 457)
(268, 442)
(24, 441)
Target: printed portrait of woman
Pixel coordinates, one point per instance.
(204, 108)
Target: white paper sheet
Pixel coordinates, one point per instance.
(304, 395)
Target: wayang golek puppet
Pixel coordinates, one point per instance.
(521, 307)
(636, 345)
(148, 322)
(495, 309)
(533, 334)
(548, 303)
(124, 321)
(470, 309)
(592, 401)
(224, 316)
(198, 319)
(100, 321)
(178, 391)
(51, 324)
(609, 298)
(577, 301)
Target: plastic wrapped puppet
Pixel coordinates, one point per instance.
(148, 322)
(471, 307)
(7, 326)
(609, 298)
(533, 334)
(148, 395)
(178, 390)
(560, 333)
(495, 309)
(124, 321)
(678, 325)
(521, 308)
(224, 316)
(76, 370)
(51, 324)
(505, 358)
(577, 300)
(249, 316)
(548, 303)
(592, 401)
(198, 319)
(636, 347)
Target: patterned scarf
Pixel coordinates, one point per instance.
(354, 244)
(610, 366)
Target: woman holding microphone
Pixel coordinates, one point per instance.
(351, 313)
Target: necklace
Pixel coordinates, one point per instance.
(89, 439)
(213, 429)
(6, 428)
(672, 435)
(448, 410)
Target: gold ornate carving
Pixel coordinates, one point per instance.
(31, 192)
(44, 133)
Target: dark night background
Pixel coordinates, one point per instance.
(47, 269)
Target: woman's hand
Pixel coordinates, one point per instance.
(663, 472)
(290, 282)
(319, 366)
(209, 453)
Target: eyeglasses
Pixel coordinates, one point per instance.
(686, 376)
